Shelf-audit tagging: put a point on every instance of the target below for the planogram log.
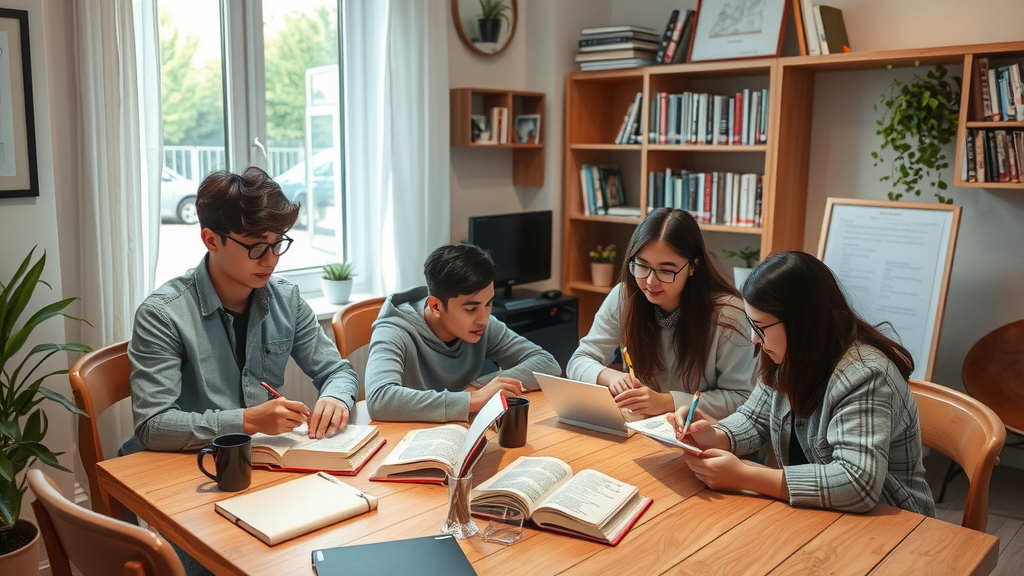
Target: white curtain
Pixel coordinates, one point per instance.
(396, 139)
(118, 79)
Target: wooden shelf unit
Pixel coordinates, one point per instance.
(527, 159)
(596, 102)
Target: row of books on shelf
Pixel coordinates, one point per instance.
(1002, 94)
(724, 198)
(603, 193)
(993, 156)
(699, 118)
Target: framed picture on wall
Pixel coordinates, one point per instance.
(19, 171)
(732, 29)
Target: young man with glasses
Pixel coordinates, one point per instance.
(204, 343)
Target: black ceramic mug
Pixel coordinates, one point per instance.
(512, 424)
(232, 455)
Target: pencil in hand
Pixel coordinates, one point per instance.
(272, 391)
(689, 415)
(629, 363)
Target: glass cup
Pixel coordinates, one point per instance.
(459, 523)
(505, 526)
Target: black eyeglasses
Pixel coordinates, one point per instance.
(259, 249)
(759, 330)
(664, 276)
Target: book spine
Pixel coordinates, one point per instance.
(585, 195)
(757, 200)
(731, 128)
(1002, 82)
(986, 93)
(979, 155)
(673, 120)
(673, 44)
(662, 118)
(810, 30)
(1002, 167)
(1011, 158)
(1017, 90)
(746, 117)
(821, 30)
(969, 160)
(764, 117)
(683, 50)
(991, 167)
(666, 38)
(993, 89)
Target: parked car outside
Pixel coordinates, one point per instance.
(293, 183)
(178, 198)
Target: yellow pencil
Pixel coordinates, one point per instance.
(629, 363)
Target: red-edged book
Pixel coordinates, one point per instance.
(342, 454)
(589, 504)
(430, 455)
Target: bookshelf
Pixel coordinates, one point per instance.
(972, 116)
(596, 101)
(527, 159)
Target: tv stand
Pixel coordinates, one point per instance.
(551, 324)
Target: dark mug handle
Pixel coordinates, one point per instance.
(199, 460)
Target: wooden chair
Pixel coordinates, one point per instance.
(968, 432)
(352, 325)
(99, 380)
(95, 544)
(993, 373)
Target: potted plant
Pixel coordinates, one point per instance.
(602, 265)
(336, 282)
(750, 256)
(23, 423)
(919, 118)
(492, 12)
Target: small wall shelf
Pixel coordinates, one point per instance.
(527, 159)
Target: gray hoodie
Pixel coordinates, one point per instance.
(412, 375)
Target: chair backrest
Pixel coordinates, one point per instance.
(95, 544)
(992, 373)
(98, 380)
(968, 432)
(352, 325)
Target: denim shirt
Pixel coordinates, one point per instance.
(186, 384)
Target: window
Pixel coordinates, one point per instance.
(251, 83)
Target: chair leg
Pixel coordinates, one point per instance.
(952, 472)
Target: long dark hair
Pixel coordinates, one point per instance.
(801, 291)
(701, 300)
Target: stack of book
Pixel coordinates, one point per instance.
(702, 118)
(610, 47)
(603, 193)
(724, 198)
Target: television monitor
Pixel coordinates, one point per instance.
(520, 245)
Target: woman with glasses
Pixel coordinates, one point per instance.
(832, 398)
(679, 321)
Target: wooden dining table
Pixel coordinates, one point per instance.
(689, 529)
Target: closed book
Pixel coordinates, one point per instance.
(682, 51)
(588, 504)
(616, 63)
(618, 30)
(810, 27)
(591, 39)
(438, 555)
(667, 36)
(613, 55)
(969, 160)
(833, 30)
(673, 44)
(344, 453)
(982, 89)
(993, 89)
(1017, 92)
(296, 507)
(594, 42)
(622, 45)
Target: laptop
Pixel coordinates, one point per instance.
(589, 406)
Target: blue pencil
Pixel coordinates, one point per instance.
(689, 415)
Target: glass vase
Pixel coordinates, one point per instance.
(459, 523)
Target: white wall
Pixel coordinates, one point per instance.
(28, 222)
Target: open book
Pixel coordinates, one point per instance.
(429, 455)
(344, 453)
(295, 507)
(589, 505)
(657, 427)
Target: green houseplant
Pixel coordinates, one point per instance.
(749, 256)
(336, 282)
(23, 423)
(919, 118)
(602, 265)
(492, 12)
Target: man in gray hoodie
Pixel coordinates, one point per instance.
(429, 344)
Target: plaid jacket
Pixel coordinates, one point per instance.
(863, 442)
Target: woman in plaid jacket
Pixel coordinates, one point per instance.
(831, 397)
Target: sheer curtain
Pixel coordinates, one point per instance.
(396, 139)
(118, 80)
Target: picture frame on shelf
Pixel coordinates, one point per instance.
(19, 171)
(528, 129)
(480, 129)
(728, 30)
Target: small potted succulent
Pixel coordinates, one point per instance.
(602, 265)
(336, 282)
(750, 256)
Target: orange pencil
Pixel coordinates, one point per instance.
(629, 363)
(270, 389)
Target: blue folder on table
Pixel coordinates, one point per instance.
(438, 555)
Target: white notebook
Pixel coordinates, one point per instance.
(295, 507)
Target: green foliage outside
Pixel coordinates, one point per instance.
(192, 94)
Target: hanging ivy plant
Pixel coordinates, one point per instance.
(918, 119)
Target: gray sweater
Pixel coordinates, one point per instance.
(728, 371)
(411, 375)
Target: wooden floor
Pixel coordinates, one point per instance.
(1005, 513)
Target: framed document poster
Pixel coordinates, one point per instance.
(19, 173)
(893, 261)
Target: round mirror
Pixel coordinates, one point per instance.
(486, 26)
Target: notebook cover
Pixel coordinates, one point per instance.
(351, 472)
(438, 555)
